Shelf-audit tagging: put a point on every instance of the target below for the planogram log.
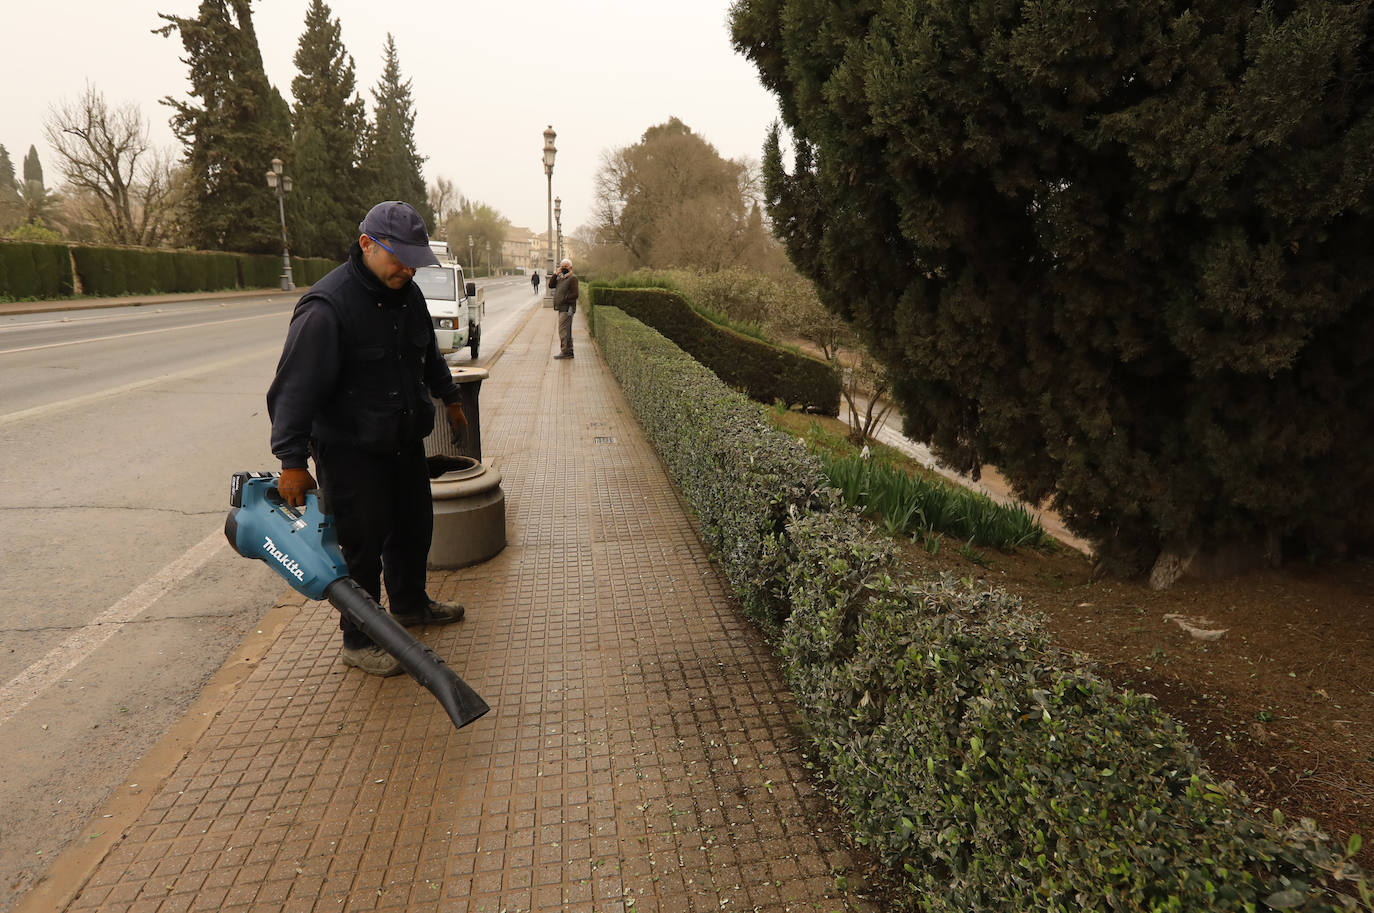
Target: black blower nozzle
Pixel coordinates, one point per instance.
(462, 704)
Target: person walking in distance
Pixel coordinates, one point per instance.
(534, 281)
(565, 303)
(352, 390)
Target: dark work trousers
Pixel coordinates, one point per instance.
(384, 516)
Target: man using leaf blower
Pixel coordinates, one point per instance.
(352, 390)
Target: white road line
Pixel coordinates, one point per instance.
(22, 414)
(90, 339)
(21, 690)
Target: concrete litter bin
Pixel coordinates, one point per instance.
(469, 505)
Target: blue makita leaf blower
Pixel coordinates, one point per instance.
(301, 546)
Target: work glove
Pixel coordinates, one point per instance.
(292, 485)
(458, 420)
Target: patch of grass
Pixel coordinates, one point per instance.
(907, 499)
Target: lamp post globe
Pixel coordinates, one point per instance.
(281, 183)
(558, 225)
(549, 152)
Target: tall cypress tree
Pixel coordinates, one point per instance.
(1120, 252)
(326, 203)
(35, 201)
(392, 165)
(33, 168)
(232, 135)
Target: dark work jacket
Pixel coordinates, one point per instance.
(358, 367)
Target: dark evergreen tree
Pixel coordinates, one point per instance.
(36, 203)
(326, 202)
(240, 124)
(7, 181)
(1120, 252)
(33, 168)
(11, 207)
(392, 167)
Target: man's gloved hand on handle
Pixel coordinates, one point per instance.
(292, 485)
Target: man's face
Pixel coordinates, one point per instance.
(390, 271)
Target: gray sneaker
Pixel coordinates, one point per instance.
(372, 659)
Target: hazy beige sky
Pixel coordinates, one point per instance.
(486, 79)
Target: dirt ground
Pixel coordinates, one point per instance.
(1281, 702)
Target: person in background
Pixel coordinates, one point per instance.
(534, 281)
(352, 390)
(565, 303)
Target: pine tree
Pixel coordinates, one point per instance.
(392, 167)
(231, 137)
(1120, 253)
(326, 202)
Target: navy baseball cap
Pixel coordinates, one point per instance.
(399, 227)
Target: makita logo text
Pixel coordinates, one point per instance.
(284, 559)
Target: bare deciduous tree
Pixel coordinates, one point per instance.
(671, 200)
(127, 189)
(445, 200)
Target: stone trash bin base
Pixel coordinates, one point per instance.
(469, 512)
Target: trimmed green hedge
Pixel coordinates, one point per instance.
(767, 373)
(30, 270)
(34, 270)
(312, 270)
(261, 271)
(984, 766)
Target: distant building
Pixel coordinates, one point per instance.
(541, 242)
(522, 248)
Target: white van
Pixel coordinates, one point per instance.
(455, 306)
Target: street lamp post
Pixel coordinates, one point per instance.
(558, 224)
(549, 152)
(488, 256)
(472, 266)
(281, 183)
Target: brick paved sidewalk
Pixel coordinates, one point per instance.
(642, 754)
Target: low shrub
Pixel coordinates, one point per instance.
(741, 476)
(764, 371)
(986, 768)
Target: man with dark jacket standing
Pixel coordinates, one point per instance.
(565, 303)
(353, 390)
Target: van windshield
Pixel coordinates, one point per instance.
(437, 282)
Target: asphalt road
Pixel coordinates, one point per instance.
(119, 429)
